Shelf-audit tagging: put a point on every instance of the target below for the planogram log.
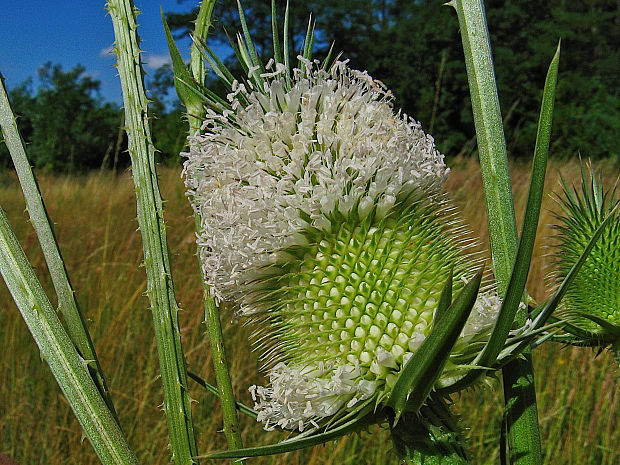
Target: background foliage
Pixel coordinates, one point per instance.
(412, 46)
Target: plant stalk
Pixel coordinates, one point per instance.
(197, 62)
(68, 367)
(230, 416)
(67, 304)
(160, 290)
(519, 390)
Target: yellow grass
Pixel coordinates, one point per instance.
(95, 224)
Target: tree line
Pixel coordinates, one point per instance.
(413, 46)
(69, 128)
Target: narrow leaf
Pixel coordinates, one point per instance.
(424, 367)
(365, 418)
(520, 271)
(187, 88)
(445, 300)
(287, 64)
(277, 53)
(67, 303)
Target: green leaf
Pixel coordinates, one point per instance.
(446, 297)
(424, 368)
(187, 88)
(518, 277)
(287, 64)
(277, 54)
(201, 31)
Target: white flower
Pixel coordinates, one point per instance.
(322, 218)
(330, 141)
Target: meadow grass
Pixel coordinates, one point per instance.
(95, 223)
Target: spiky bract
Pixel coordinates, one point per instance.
(591, 305)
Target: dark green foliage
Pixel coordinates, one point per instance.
(412, 46)
(168, 122)
(69, 128)
(65, 123)
(415, 49)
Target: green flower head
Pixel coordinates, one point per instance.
(323, 221)
(591, 305)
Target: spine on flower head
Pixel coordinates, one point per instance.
(322, 218)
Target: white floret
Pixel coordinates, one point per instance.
(332, 140)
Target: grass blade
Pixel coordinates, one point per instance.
(67, 304)
(68, 367)
(160, 289)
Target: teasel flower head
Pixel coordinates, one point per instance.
(323, 221)
(324, 225)
(591, 304)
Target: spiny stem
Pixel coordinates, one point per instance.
(212, 315)
(522, 422)
(68, 367)
(160, 290)
(67, 304)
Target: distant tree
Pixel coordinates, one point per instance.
(415, 48)
(66, 124)
(21, 102)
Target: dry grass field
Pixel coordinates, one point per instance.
(94, 217)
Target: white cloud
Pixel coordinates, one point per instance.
(153, 61)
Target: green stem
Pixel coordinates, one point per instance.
(197, 63)
(177, 403)
(490, 135)
(68, 367)
(212, 315)
(67, 304)
(520, 395)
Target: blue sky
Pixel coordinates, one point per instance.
(79, 31)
